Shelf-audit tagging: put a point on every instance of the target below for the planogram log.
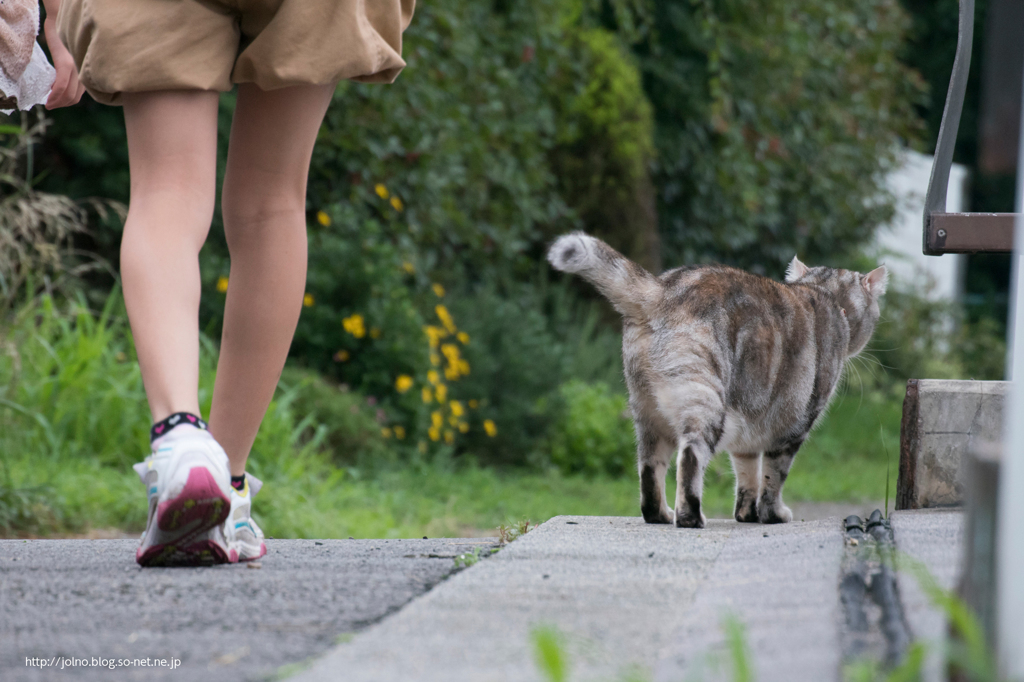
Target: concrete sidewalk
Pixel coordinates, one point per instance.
(648, 599)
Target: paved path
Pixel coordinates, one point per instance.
(632, 596)
(88, 598)
(626, 595)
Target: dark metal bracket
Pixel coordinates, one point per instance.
(959, 232)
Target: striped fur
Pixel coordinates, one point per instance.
(719, 359)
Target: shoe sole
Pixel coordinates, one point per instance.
(262, 553)
(202, 553)
(199, 507)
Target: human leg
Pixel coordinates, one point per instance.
(263, 202)
(172, 146)
(172, 152)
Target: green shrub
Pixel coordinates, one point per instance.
(594, 433)
(921, 338)
(333, 418)
(526, 340)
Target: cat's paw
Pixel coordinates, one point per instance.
(657, 516)
(746, 507)
(687, 519)
(778, 513)
(748, 515)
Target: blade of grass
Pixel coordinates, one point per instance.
(881, 434)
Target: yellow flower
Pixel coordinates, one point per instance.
(457, 409)
(453, 420)
(438, 289)
(434, 433)
(355, 325)
(473, 404)
(323, 218)
(400, 432)
(386, 432)
(463, 427)
(427, 394)
(446, 318)
(433, 377)
(434, 335)
(463, 338)
(222, 284)
(403, 383)
(396, 203)
(451, 351)
(381, 191)
(451, 373)
(374, 332)
(436, 420)
(409, 267)
(307, 300)
(422, 447)
(441, 393)
(463, 367)
(435, 359)
(341, 356)
(449, 436)
(490, 428)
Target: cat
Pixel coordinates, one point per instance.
(716, 358)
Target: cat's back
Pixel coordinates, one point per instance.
(722, 295)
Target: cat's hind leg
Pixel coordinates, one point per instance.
(694, 455)
(697, 412)
(775, 470)
(747, 467)
(652, 461)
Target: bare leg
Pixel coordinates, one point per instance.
(747, 467)
(770, 508)
(172, 152)
(264, 205)
(652, 458)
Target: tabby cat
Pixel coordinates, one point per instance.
(719, 359)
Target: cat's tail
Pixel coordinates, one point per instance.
(629, 287)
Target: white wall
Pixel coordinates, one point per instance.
(899, 245)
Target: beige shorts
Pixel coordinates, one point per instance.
(141, 45)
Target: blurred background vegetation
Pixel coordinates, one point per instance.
(442, 379)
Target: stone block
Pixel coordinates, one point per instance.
(943, 421)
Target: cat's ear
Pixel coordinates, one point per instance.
(876, 281)
(796, 270)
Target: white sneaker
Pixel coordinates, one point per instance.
(188, 482)
(240, 528)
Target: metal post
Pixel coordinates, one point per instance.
(1010, 545)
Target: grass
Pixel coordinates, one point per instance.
(73, 419)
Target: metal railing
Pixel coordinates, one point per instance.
(959, 232)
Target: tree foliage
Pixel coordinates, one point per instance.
(776, 123)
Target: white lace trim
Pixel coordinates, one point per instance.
(34, 85)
